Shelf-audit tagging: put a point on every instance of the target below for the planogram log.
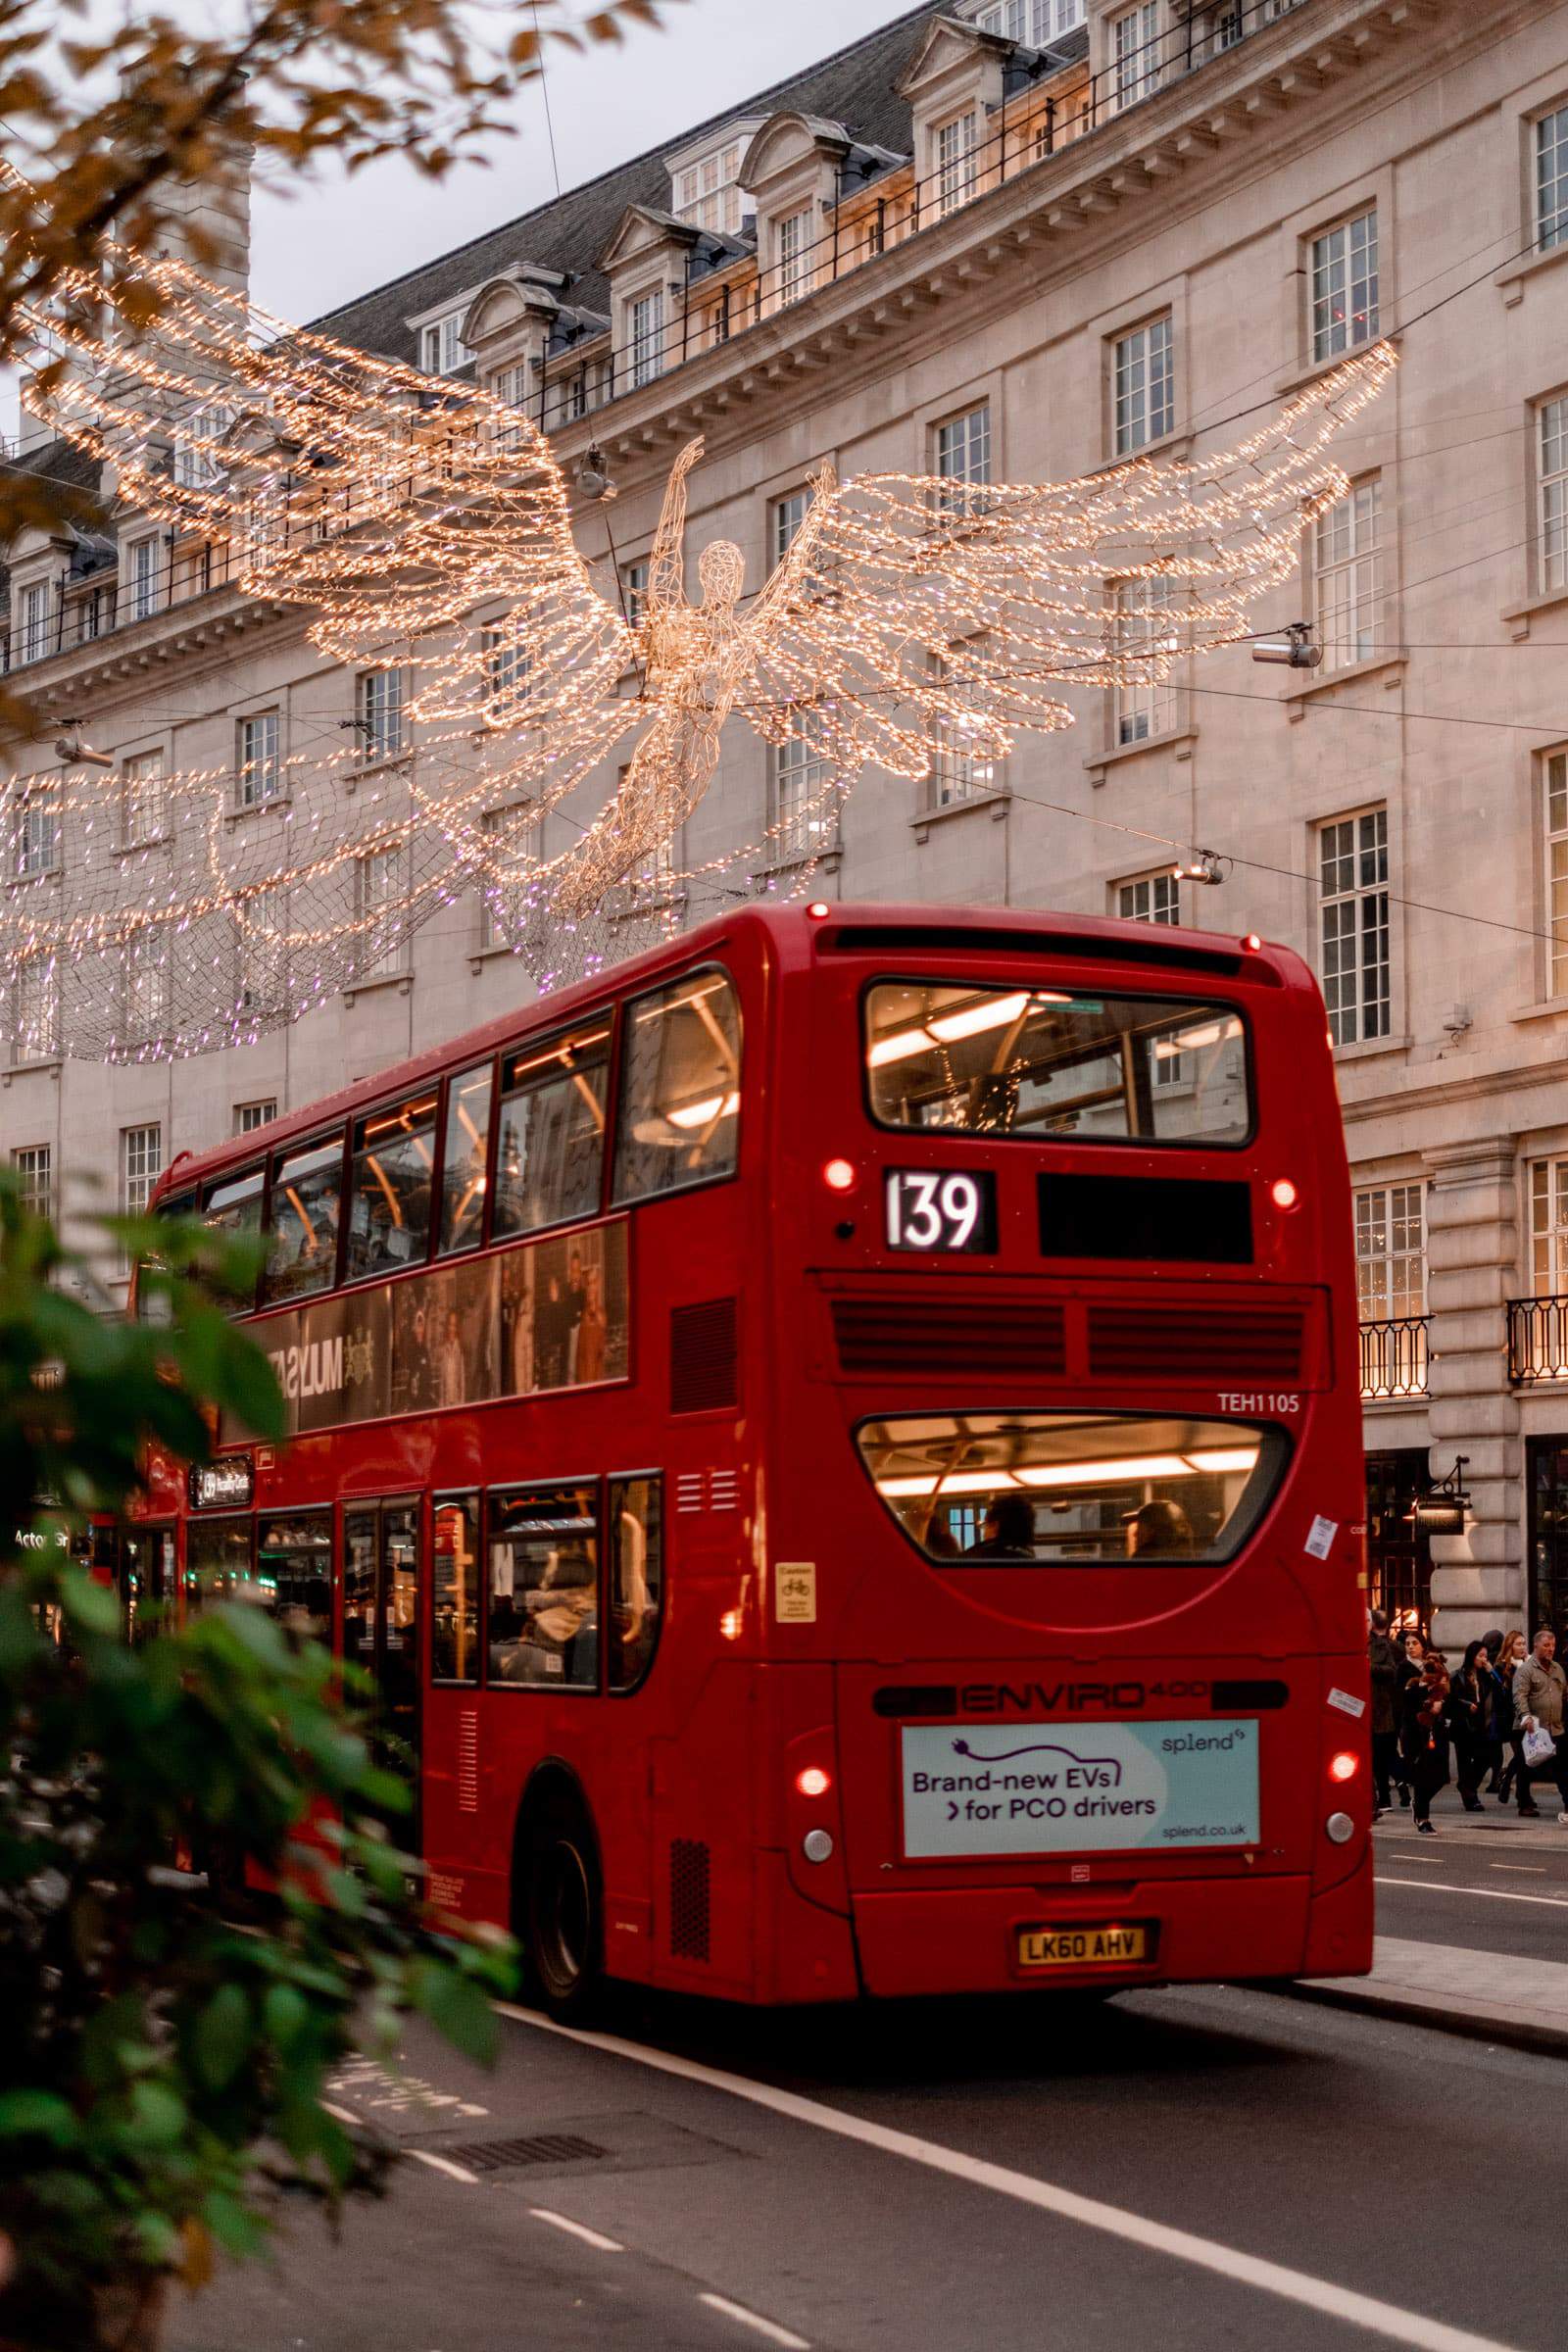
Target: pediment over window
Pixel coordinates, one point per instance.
(787, 140)
(947, 50)
(504, 305)
(642, 231)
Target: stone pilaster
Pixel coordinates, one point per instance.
(1472, 1251)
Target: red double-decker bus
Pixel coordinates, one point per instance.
(839, 1444)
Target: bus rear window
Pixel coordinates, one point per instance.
(1051, 1489)
(1040, 1063)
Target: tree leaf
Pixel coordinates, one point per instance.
(456, 2007)
(38, 2115)
(221, 2037)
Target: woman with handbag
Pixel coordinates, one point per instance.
(1426, 1719)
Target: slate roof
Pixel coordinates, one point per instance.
(854, 87)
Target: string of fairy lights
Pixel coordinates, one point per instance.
(424, 530)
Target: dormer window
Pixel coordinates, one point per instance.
(706, 189)
(442, 350)
(1035, 22)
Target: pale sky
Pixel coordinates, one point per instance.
(333, 239)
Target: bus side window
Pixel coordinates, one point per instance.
(636, 1578)
(551, 1146)
(544, 1588)
(680, 1100)
(464, 1151)
(302, 1241)
(390, 1180)
(233, 1208)
(454, 1612)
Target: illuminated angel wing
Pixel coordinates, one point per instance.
(912, 612)
(393, 509)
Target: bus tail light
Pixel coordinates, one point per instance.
(812, 1781)
(819, 910)
(1283, 1192)
(1345, 1766)
(732, 1623)
(839, 1175)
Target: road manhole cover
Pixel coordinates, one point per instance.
(547, 2148)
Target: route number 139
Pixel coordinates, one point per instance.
(932, 1209)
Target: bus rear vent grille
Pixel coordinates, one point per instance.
(920, 1336)
(704, 1359)
(548, 2147)
(689, 1920)
(1151, 1343)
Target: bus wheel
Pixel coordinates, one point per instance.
(562, 1909)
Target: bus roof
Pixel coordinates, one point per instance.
(854, 927)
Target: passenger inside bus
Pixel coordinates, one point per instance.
(1008, 1531)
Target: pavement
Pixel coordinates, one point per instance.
(1473, 1927)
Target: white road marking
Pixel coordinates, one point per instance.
(590, 2237)
(1537, 1870)
(443, 2164)
(1486, 1894)
(1377, 2318)
(775, 2334)
(343, 2115)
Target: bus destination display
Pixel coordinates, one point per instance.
(941, 1208)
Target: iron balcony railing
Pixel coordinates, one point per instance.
(1030, 126)
(869, 218)
(1538, 1340)
(1393, 1356)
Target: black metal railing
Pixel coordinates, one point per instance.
(1029, 127)
(1538, 1340)
(1393, 1356)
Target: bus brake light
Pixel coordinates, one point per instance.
(1345, 1766)
(1283, 1192)
(812, 1781)
(839, 1175)
(819, 910)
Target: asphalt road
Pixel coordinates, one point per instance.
(1205, 2169)
(1488, 1881)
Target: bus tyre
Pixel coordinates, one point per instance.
(561, 1909)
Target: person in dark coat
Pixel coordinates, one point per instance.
(1382, 1663)
(1413, 1650)
(1469, 1723)
(1499, 1711)
(1505, 1662)
(1426, 1735)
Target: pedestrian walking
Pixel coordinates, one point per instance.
(1539, 1693)
(1413, 1650)
(1492, 1643)
(1470, 1723)
(1426, 1735)
(1505, 1664)
(1383, 1664)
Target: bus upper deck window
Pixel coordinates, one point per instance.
(390, 1181)
(680, 1087)
(1044, 1063)
(465, 1150)
(302, 1239)
(550, 1149)
(234, 1206)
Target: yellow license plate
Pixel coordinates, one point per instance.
(1084, 1947)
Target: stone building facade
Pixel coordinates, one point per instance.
(1021, 239)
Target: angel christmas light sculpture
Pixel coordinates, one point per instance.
(427, 529)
